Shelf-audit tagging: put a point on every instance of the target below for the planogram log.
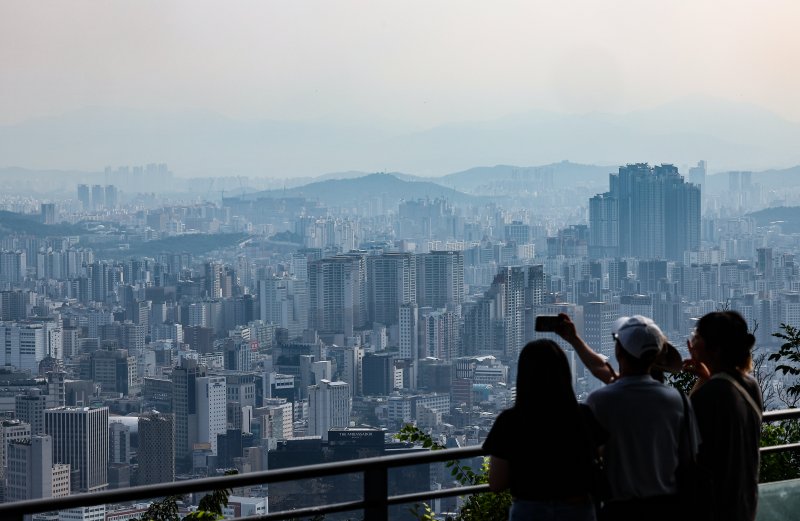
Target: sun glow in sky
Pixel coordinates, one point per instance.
(415, 63)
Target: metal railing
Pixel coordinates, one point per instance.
(375, 503)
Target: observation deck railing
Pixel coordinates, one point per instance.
(376, 499)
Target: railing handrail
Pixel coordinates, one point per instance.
(234, 481)
(18, 509)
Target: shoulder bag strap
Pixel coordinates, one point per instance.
(742, 391)
(689, 433)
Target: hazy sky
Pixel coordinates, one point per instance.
(413, 62)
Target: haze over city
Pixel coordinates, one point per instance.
(259, 236)
(418, 87)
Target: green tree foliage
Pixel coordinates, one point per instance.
(488, 506)
(781, 465)
(788, 358)
(209, 509)
(164, 510)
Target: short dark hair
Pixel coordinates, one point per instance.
(725, 332)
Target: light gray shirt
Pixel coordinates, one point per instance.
(644, 419)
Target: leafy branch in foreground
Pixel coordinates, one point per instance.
(788, 359)
(487, 506)
(209, 508)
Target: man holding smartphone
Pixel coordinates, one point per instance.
(643, 417)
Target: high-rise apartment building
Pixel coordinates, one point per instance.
(84, 197)
(338, 294)
(80, 439)
(697, 174)
(284, 302)
(392, 282)
(495, 323)
(649, 212)
(98, 197)
(156, 453)
(440, 279)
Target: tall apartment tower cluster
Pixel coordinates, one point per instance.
(648, 212)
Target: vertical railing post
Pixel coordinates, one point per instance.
(376, 494)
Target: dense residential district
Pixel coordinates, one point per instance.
(151, 337)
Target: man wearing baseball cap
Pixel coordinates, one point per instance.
(644, 419)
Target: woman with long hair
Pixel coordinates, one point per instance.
(728, 406)
(543, 447)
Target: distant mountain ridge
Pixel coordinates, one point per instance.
(339, 192)
(728, 135)
(787, 217)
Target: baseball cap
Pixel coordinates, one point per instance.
(638, 335)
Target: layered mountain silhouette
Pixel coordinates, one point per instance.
(728, 135)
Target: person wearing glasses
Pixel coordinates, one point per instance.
(728, 405)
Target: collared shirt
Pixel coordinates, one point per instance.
(644, 420)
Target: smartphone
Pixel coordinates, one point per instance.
(547, 322)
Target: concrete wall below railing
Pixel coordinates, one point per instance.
(779, 501)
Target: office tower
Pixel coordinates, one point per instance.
(70, 341)
(650, 274)
(351, 372)
(48, 213)
(211, 397)
(377, 371)
(29, 472)
(337, 294)
(630, 305)
(329, 405)
(697, 175)
(98, 197)
(30, 408)
(277, 422)
(241, 389)
(440, 279)
(56, 389)
(156, 452)
(80, 439)
(237, 354)
(649, 212)
(115, 371)
(13, 305)
(11, 430)
(199, 338)
(184, 406)
(392, 282)
(517, 232)
(84, 198)
(119, 443)
(25, 345)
